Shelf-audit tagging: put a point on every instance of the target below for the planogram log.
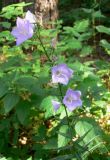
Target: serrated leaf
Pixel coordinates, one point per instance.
(81, 26)
(85, 36)
(10, 101)
(105, 44)
(73, 44)
(13, 10)
(103, 29)
(71, 31)
(86, 50)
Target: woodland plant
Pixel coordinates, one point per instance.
(50, 102)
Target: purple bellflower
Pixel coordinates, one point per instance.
(56, 105)
(31, 18)
(61, 74)
(72, 99)
(22, 31)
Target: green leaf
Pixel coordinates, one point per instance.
(29, 158)
(85, 36)
(31, 84)
(11, 63)
(86, 50)
(103, 29)
(51, 144)
(105, 44)
(6, 24)
(81, 26)
(88, 11)
(10, 101)
(83, 125)
(94, 138)
(22, 110)
(98, 14)
(46, 105)
(64, 157)
(3, 89)
(6, 35)
(62, 138)
(74, 44)
(22, 4)
(71, 31)
(3, 158)
(13, 10)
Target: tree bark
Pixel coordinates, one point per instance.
(46, 11)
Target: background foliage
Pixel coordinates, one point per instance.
(29, 127)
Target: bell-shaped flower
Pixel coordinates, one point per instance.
(72, 99)
(61, 74)
(56, 105)
(31, 18)
(22, 31)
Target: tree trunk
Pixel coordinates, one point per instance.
(46, 11)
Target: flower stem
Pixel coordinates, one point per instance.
(44, 48)
(60, 89)
(39, 38)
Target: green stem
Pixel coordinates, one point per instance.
(64, 105)
(77, 153)
(38, 36)
(44, 48)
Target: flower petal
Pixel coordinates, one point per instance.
(30, 17)
(72, 99)
(56, 105)
(15, 32)
(23, 31)
(61, 74)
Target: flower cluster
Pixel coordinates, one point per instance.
(62, 74)
(24, 28)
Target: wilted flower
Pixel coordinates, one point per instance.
(61, 74)
(54, 58)
(55, 104)
(31, 18)
(54, 42)
(72, 99)
(22, 31)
